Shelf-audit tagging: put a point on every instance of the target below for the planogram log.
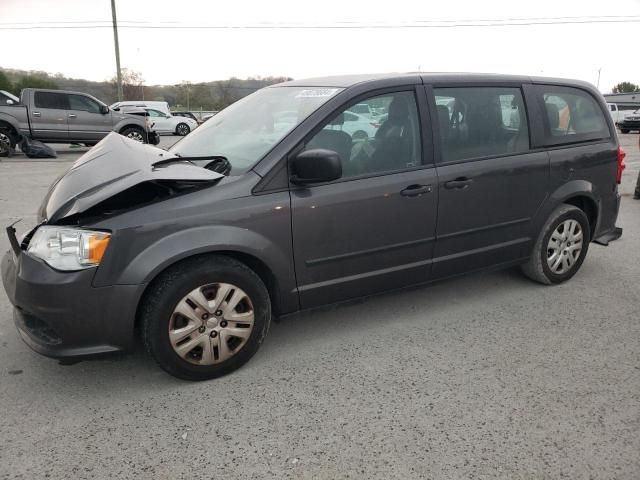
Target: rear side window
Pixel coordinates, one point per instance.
(571, 115)
(50, 100)
(480, 122)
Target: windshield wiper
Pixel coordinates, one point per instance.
(178, 158)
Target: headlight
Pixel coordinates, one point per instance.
(69, 248)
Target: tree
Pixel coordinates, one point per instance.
(132, 84)
(5, 83)
(33, 81)
(626, 87)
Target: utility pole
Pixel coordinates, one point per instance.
(115, 39)
(598, 85)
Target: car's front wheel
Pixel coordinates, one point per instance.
(205, 317)
(182, 129)
(561, 246)
(624, 130)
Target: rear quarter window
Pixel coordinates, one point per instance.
(50, 100)
(570, 116)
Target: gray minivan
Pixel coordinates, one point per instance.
(261, 213)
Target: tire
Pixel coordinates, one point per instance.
(182, 129)
(538, 268)
(624, 130)
(360, 135)
(8, 141)
(90, 144)
(169, 295)
(134, 133)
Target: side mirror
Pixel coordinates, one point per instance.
(104, 109)
(9, 101)
(315, 166)
(167, 116)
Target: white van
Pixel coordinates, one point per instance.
(616, 114)
(162, 106)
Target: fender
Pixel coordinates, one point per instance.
(148, 263)
(125, 121)
(13, 121)
(573, 188)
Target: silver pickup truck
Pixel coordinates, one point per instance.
(56, 116)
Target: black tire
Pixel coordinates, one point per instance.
(171, 287)
(90, 144)
(182, 129)
(134, 133)
(537, 267)
(8, 141)
(624, 130)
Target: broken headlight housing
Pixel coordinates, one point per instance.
(65, 248)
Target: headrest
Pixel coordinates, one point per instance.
(398, 109)
(553, 114)
(443, 118)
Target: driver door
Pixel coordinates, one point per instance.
(162, 124)
(373, 229)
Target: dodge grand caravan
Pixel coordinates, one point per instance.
(271, 207)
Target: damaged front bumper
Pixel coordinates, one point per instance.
(60, 314)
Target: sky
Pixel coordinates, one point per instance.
(246, 38)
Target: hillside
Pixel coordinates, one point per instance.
(213, 95)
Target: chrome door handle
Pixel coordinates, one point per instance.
(36, 114)
(72, 115)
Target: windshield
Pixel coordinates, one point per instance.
(247, 130)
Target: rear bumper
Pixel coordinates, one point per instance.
(60, 314)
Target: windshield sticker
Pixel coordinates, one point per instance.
(317, 93)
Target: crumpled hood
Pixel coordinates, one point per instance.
(112, 166)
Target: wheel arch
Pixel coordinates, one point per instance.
(257, 265)
(579, 193)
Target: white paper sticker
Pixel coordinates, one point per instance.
(317, 93)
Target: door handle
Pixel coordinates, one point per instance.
(415, 190)
(72, 115)
(36, 114)
(459, 183)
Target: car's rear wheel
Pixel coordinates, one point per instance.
(561, 246)
(205, 317)
(134, 133)
(182, 129)
(624, 130)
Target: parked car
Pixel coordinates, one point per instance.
(202, 245)
(363, 109)
(187, 115)
(359, 127)
(168, 124)
(156, 105)
(630, 122)
(57, 116)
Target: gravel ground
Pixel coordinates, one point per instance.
(487, 376)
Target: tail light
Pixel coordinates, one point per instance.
(621, 165)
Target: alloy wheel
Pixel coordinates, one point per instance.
(137, 136)
(564, 247)
(211, 323)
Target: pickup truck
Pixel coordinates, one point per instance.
(57, 116)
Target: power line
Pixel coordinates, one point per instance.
(335, 26)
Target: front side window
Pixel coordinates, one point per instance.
(80, 102)
(480, 122)
(384, 142)
(248, 129)
(50, 100)
(571, 115)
